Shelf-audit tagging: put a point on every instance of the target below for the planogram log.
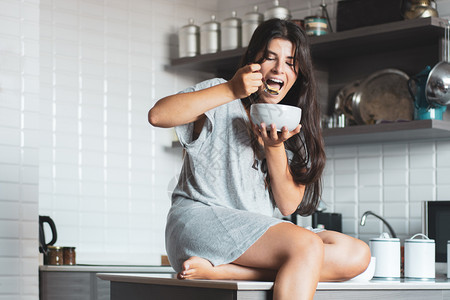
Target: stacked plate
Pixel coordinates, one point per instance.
(382, 96)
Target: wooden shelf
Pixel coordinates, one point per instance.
(379, 38)
(388, 132)
(343, 57)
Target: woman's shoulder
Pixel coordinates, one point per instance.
(204, 85)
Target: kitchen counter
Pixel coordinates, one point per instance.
(139, 286)
(81, 281)
(108, 268)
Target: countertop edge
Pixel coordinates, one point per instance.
(261, 285)
(100, 269)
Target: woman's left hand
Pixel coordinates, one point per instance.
(271, 137)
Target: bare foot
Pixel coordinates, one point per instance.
(197, 268)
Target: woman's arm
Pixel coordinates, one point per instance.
(185, 108)
(286, 192)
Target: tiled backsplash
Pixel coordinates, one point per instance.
(388, 179)
(76, 81)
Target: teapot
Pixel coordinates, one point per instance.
(43, 246)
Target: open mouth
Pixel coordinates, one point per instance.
(273, 86)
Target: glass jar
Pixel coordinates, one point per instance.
(69, 256)
(55, 255)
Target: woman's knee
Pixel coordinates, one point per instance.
(306, 245)
(359, 259)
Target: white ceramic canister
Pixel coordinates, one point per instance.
(420, 257)
(210, 36)
(189, 40)
(231, 32)
(277, 12)
(250, 22)
(387, 253)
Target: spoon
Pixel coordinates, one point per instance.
(270, 90)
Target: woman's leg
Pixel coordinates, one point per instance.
(345, 257)
(291, 252)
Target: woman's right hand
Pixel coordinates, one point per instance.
(246, 81)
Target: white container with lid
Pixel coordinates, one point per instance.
(420, 257)
(387, 253)
(231, 32)
(250, 22)
(210, 36)
(189, 40)
(277, 12)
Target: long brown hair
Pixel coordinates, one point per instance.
(308, 147)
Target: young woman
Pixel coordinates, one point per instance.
(235, 173)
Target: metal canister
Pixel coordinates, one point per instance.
(277, 12)
(189, 40)
(231, 32)
(250, 22)
(316, 26)
(210, 36)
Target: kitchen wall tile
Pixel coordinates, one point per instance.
(395, 194)
(415, 226)
(344, 165)
(420, 161)
(443, 192)
(395, 177)
(395, 162)
(415, 210)
(371, 227)
(442, 176)
(369, 194)
(369, 163)
(369, 178)
(401, 227)
(395, 149)
(422, 193)
(443, 154)
(395, 210)
(422, 176)
(345, 152)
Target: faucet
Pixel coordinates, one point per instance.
(364, 217)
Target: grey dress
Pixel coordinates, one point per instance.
(220, 206)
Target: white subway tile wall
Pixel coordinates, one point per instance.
(76, 81)
(105, 171)
(19, 132)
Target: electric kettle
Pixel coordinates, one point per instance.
(43, 246)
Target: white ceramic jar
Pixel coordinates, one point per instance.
(250, 22)
(277, 12)
(387, 253)
(189, 40)
(420, 257)
(231, 32)
(210, 36)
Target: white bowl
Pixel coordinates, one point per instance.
(368, 273)
(278, 114)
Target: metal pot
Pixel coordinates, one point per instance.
(421, 9)
(210, 36)
(231, 32)
(250, 22)
(438, 82)
(277, 12)
(189, 40)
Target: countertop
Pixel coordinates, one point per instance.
(108, 268)
(440, 283)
